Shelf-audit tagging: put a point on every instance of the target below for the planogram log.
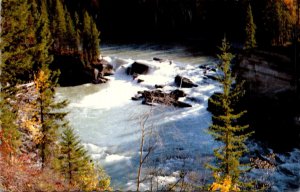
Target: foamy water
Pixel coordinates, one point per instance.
(107, 120)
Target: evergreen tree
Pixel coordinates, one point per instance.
(73, 157)
(95, 42)
(76, 166)
(59, 26)
(17, 42)
(77, 29)
(16, 62)
(49, 117)
(91, 39)
(250, 30)
(44, 39)
(71, 36)
(227, 130)
(86, 37)
(277, 22)
(10, 139)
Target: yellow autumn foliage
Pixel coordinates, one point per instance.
(224, 185)
(93, 179)
(31, 126)
(41, 80)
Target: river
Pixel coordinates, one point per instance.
(108, 121)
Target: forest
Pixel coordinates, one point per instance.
(239, 72)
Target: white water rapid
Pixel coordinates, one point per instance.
(107, 120)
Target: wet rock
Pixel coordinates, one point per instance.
(100, 80)
(158, 59)
(212, 77)
(140, 80)
(159, 97)
(184, 82)
(202, 66)
(101, 68)
(177, 93)
(181, 104)
(108, 70)
(137, 68)
(195, 99)
(159, 86)
(137, 97)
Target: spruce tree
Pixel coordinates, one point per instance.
(76, 166)
(71, 36)
(277, 22)
(86, 37)
(59, 26)
(95, 41)
(227, 129)
(16, 63)
(91, 39)
(77, 30)
(49, 117)
(44, 39)
(10, 139)
(16, 42)
(73, 157)
(250, 30)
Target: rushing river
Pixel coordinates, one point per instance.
(108, 121)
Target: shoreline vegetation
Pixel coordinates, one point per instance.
(52, 42)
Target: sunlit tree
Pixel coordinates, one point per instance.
(250, 30)
(226, 128)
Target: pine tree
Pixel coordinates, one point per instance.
(16, 63)
(49, 117)
(95, 42)
(86, 37)
(277, 22)
(10, 139)
(76, 166)
(59, 26)
(250, 30)
(73, 158)
(17, 42)
(91, 39)
(77, 30)
(71, 36)
(226, 128)
(44, 39)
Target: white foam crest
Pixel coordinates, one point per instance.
(116, 157)
(96, 151)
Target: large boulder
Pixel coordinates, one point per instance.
(184, 82)
(138, 68)
(101, 68)
(177, 93)
(107, 70)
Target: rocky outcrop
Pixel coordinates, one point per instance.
(74, 72)
(160, 97)
(266, 73)
(271, 100)
(101, 68)
(184, 82)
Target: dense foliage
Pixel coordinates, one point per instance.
(209, 19)
(31, 118)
